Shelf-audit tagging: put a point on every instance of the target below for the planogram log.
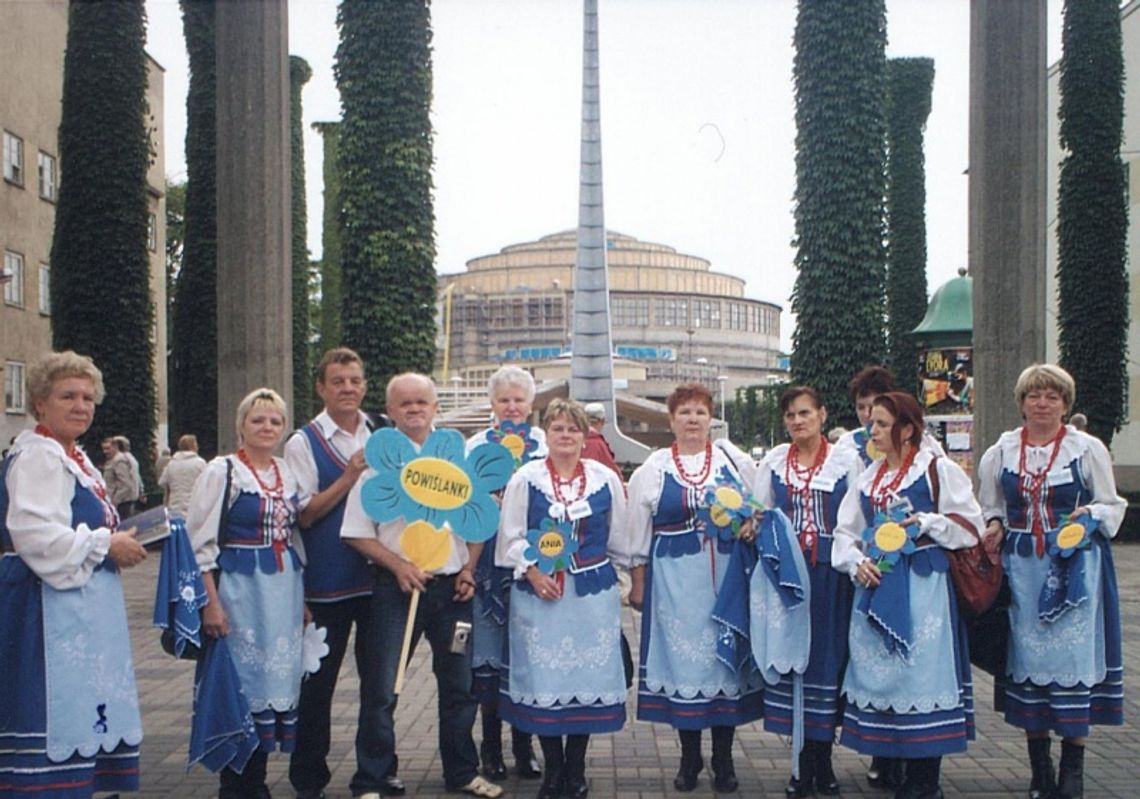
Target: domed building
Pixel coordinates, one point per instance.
(673, 318)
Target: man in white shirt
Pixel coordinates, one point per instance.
(444, 606)
(327, 458)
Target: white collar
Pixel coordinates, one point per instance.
(29, 440)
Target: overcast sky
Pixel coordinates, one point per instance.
(698, 124)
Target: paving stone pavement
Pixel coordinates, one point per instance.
(636, 763)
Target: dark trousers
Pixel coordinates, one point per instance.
(250, 784)
(308, 767)
(435, 619)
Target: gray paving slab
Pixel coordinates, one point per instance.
(637, 763)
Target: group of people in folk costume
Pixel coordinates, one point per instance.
(727, 584)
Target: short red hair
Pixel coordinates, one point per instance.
(689, 392)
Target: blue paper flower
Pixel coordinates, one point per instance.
(725, 506)
(1072, 536)
(439, 484)
(888, 540)
(551, 545)
(866, 446)
(516, 438)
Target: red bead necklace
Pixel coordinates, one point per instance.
(696, 479)
(809, 541)
(579, 477)
(278, 488)
(1034, 483)
(879, 496)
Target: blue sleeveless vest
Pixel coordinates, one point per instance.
(335, 570)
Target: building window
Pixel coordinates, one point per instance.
(13, 158)
(630, 312)
(671, 312)
(14, 387)
(14, 272)
(151, 232)
(46, 165)
(707, 313)
(45, 289)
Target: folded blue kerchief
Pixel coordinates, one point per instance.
(731, 609)
(888, 608)
(1065, 585)
(222, 732)
(180, 593)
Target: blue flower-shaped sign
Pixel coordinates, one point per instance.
(888, 540)
(1073, 535)
(551, 546)
(516, 438)
(726, 505)
(438, 484)
(866, 446)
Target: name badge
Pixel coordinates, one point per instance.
(1059, 478)
(901, 505)
(579, 510)
(824, 484)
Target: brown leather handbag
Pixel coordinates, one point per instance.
(977, 570)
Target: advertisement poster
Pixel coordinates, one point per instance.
(947, 379)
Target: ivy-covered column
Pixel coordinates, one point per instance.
(840, 66)
(100, 275)
(383, 70)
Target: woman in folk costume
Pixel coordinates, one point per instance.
(679, 566)
(807, 479)
(559, 535)
(247, 543)
(69, 714)
(511, 391)
(907, 684)
(1064, 663)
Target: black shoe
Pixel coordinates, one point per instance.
(552, 783)
(886, 773)
(1071, 779)
(526, 764)
(1044, 780)
(801, 785)
(724, 777)
(825, 782)
(392, 786)
(686, 779)
(576, 787)
(318, 794)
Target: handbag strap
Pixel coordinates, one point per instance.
(225, 514)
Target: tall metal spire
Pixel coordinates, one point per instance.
(591, 362)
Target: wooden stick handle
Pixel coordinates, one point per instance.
(408, 628)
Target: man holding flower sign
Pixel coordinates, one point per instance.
(416, 491)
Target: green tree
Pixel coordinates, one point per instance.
(839, 73)
(1092, 214)
(909, 85)
(100, 277)
(383, 70)
(175, 241)
(331, 332)
(299, 74)
(194, 343)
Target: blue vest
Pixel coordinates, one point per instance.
(676, 527)
(590, 565)
(1058, 499)
(334, 570)
(825, 512)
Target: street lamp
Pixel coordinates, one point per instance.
(720, 379)
(456, 380)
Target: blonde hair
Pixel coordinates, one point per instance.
(188, 443)
(47, 369)
(259, 396)
(566, 409)
(1045, 376)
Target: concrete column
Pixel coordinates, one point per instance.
(254, 200)
(1007, 203)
